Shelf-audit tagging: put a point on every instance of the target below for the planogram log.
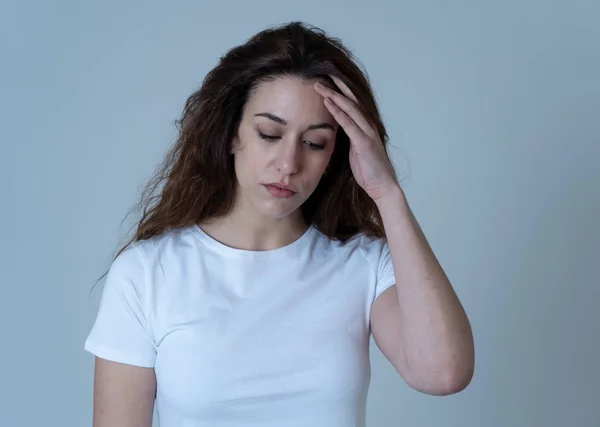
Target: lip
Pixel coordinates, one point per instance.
(280, 191)
(281, 186)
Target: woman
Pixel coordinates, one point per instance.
(279, 240)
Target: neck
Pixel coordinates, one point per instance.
(248, 230)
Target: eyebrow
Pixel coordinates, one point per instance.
(279, 120)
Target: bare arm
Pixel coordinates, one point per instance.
(123, 395)
(420, 324)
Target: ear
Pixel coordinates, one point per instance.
(235, 143)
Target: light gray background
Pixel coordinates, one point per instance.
(494, 110)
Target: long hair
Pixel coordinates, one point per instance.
(196, 180)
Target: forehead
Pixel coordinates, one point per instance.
(291, 98)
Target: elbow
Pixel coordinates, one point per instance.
(456, 376)
(458, 370)
(449, 373)
(456, 381)
(449, 380)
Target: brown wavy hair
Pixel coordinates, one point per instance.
(196, 180)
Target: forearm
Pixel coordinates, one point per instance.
(436, 337)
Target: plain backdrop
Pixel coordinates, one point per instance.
(493, 110)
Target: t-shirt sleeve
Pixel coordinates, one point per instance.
(385, 270)
(121, 331)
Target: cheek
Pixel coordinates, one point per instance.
(324, 163)
(316, 172)
(247, 165)
(242, 167)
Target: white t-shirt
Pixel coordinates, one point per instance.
(246, 338)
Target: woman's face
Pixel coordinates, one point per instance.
(286, 138)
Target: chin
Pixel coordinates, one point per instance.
(279, 210)
(277, 213)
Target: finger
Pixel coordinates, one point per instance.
(350, 127)
(344, 88)
(346, 91)
(346, 105)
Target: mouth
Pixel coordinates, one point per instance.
(279, 191)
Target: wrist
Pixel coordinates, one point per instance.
(393, 202)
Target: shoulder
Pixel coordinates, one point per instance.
(139, 259)
(364, 247)
(172, 242)
(367, 245)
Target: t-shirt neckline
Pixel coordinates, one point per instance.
(298, 243)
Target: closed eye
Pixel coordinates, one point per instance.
(314, 146)
(311, 145)
(268, 137)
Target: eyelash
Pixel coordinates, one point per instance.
(312, 145)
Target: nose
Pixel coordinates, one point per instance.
(289, 158)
